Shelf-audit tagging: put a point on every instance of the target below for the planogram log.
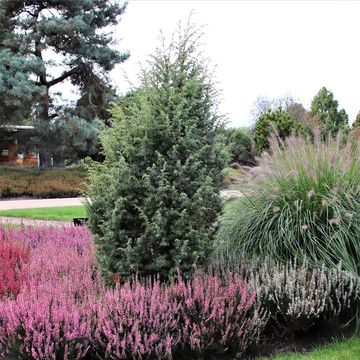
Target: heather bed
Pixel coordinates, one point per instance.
(55, 305)
(60, 307)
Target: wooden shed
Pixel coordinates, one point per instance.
(12, 151)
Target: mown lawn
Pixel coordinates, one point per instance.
(341, 350)
(64, 213)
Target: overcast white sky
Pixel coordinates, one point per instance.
(269, 48)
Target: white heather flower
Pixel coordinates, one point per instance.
(304, 227)
(349, 215)
(324, 202)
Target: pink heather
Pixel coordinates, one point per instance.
(61, 309)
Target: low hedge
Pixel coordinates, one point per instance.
(50, 183)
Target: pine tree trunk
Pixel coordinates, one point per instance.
(44, 155)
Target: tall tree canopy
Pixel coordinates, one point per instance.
(325, 107)
(39, 37)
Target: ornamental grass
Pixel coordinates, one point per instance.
(303, 203)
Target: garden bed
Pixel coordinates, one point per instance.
(35, 183)
(54, 303)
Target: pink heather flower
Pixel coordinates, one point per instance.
(63, 309)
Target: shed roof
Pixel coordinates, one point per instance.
(17, 127)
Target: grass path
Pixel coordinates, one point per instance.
(63, 213)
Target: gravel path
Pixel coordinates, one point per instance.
(32, 222)
(38, 203)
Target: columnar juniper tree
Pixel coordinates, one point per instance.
(71, 33)
(155, 198)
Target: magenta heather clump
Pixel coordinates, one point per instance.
(217, 314)
(206, 315)
(137, 321)
(13, 271)
(52, 315)
(79, 237)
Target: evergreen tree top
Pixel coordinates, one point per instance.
(73, 29)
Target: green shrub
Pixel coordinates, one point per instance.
(155, 199)
(279, 120)
(305, 202)
(239, 144)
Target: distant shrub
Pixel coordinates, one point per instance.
(239, 144)
(52, 183)
(304, 202)
(278, 120)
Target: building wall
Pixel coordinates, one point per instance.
(9, 152)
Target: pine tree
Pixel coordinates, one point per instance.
(72, 32)
(155, 198)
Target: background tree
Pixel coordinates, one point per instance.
(155, 198)
(325, 107)
(355, 128)
(95, 100)
(70, 32)
(356, 123)
(279, 121)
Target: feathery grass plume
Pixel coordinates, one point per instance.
(321, 193)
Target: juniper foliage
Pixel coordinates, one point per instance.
(155, 198)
